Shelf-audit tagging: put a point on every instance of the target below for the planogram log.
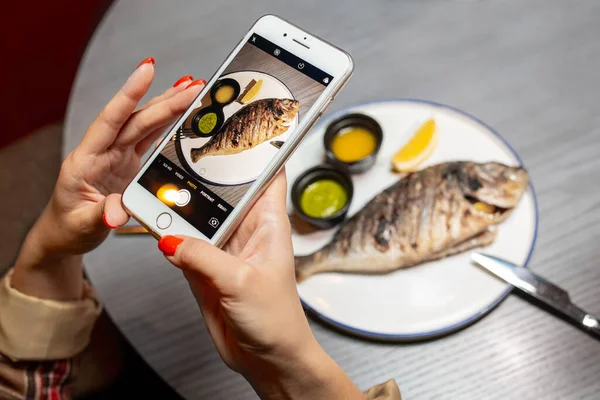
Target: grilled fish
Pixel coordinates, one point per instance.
(257, 122)
(427, 215)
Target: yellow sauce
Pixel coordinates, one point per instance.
(485, 207)
(353, 143)
(224, 94)
(324, 198)
(207, 123)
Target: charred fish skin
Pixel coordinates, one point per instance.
(253, 124)
(426, 215)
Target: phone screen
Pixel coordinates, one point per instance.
(233, 132)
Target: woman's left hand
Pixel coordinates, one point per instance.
(86, 201)
(87, 197)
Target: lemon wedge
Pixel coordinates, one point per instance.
(418, 148)
(252, 92)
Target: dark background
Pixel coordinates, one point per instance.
(42, 43)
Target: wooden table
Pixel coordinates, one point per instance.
(529, 68)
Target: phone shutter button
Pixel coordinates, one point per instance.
(164, 220)
(183, 198)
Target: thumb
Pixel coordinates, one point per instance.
(200, 259)
(112, 213)
(107, 213)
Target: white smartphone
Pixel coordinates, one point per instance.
(220, 156)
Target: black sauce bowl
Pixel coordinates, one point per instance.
(353, 120)
(215, 107)
(196, 119)
(225, 82)
(318, 173)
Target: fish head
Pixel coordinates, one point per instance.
(286, 110)
(492, 183)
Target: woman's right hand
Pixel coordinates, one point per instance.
(251, 307)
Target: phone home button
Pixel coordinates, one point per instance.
(164, 220)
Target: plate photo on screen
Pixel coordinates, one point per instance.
(239, 150)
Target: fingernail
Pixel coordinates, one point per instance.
(196, 83)
(108, 225)
(168, 244)
(149, 60)
(183, 79)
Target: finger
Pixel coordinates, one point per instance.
(152, 139)
(103, 131)
(113, 214)
(206, 262)
(107, 213)
(269, 210)
(180, 85)
(147, 121)
(272, 202)
(268, 222)
(277, 190)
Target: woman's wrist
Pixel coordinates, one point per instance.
(45, 272)
(309, 374)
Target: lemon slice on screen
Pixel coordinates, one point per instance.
(418, 148)
(252, 92)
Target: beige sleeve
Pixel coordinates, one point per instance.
(40, 329)
(384, 391)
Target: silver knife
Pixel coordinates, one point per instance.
(277, 143)
(539, 288)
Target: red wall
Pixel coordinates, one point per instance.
(41, 43)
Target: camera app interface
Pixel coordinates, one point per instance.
(233, 133)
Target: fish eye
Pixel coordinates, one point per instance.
(285, 34)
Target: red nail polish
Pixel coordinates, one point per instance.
(149, 60)
(196, 83)
(108, 225)
(183, 79)
(168, 244)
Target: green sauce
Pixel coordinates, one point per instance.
(207, 123)
(324, 198)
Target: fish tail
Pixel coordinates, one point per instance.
(304, 267)
(195, 154)
(198, 153)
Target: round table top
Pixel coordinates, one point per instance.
(529, 69)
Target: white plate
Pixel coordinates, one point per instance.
(248, 164)
(431, 299)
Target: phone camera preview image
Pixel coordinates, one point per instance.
(216, 153)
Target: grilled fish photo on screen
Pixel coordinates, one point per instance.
(257, 122)
(427, 215)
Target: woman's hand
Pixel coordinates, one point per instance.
(251, 307)
(86, 201)
(87, 197)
